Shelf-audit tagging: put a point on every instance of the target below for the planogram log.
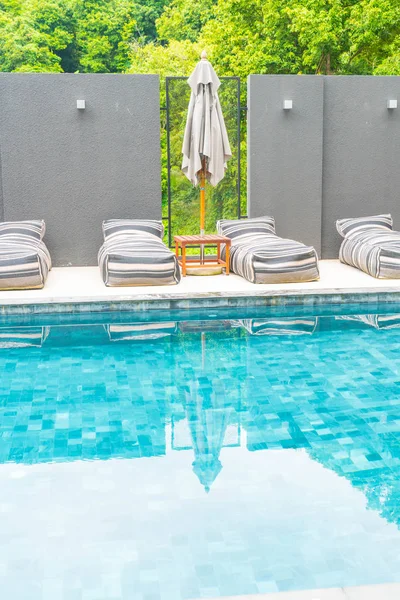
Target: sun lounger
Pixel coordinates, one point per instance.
(24, 259)
(133, 253)
(260, 256)
(371, 245)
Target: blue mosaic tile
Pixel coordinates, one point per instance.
(210, 461)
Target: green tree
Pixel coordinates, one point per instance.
(252, 36)
(391, 64)
(177, 58)
(183, 20)
(104, 31)
(344, 37)
(147, 13)
(73, 35)
(32, 34)
(303, 36)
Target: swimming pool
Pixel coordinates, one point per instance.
(172, 456)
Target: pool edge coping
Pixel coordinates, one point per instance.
(169, 301)
(383, 591)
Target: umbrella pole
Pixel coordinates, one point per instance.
(202, 205)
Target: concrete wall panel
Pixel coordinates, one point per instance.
(285, 154)
(75, 168)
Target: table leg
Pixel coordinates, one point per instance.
(227, 258)
(218, 252)
(184, 260)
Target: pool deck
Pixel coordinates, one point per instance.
(84, 285)
(390, 591)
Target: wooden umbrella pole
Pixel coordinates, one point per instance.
(202, 196)
(202, 205)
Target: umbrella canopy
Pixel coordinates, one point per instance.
(205, 132)
(206, 148)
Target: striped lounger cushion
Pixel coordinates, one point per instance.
(260, 256)
(133, 253)
(24, 259)
(371, 245)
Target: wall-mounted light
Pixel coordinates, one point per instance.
(80, 104)
(287, 104)
(392, 104)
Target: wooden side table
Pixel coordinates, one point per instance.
(183, 241)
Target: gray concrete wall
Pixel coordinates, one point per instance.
(73, 167)
(285, 154)
(361, 173)
(334, 155)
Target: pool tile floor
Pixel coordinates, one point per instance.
(202, 465)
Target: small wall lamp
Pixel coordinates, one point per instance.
(287, 104)
(391, 104)
(80, 104)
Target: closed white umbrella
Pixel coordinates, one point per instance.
(206, 148)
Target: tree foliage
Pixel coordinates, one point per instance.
(242, 36)
(183, 20)
(74, 35)
(303, 36)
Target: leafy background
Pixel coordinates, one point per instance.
(166, 37)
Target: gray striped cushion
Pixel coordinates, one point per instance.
(353, 226)
(30, 229)
(263, 257)
(374, 251)
(246, 228)
(116, 227)
(260, 256)
(282, 326)
(137, 259)
(140, 331)
(24, 263)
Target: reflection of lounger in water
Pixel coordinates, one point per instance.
(23, 337)
(280, 326)
(375, 321)
(140, 331)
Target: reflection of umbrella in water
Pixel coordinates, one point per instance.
(208, 419)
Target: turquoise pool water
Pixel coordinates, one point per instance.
(172, 456)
